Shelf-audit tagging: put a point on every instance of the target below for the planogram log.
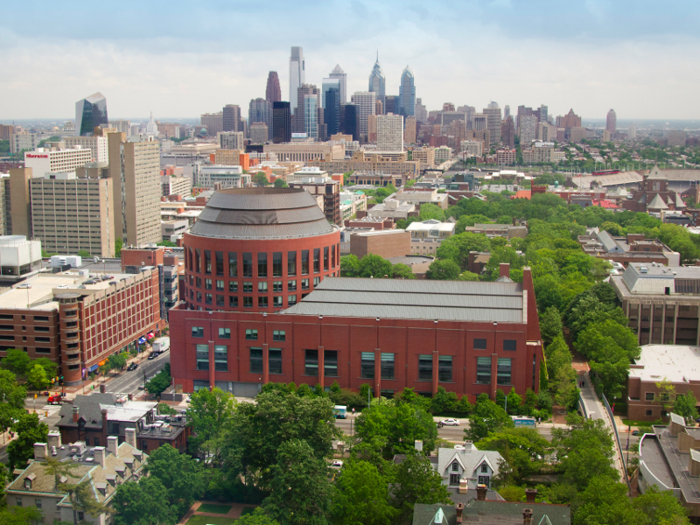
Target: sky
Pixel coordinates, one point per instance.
(182, 59)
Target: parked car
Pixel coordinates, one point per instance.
(132, 366)
(337, 464)
(635, 432)
(449, 422)
(152, 356)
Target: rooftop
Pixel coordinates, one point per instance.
(431, 224)
(676, 363)
(409, 299)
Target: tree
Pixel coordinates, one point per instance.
(362, 496)
(667, 394)
(468, 276)
(458, 247)
(431, 211)
(17, 362)
(522, 448)
(49, 366)
(84, 253)
(185, 486)
(443, 270)
(349, 266)
(118, 244)
(21, 516)
(260, 178)
(401, 271)
(143, 503)
(29, 431)
(487, 417)
(37, 378)
(514, 401)
(604, 501)
(280, 183)
(660, 507)
(417, 482)
(117, 361)
(166, 409)
(209, 414)
(443, 402)
(301, 492)
(58, 469)
(160, 382)
(12, 398)
(258, 517)
(685, 406)
(374, 266)
(550, 325)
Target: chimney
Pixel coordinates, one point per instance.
(481, 492)
(103, 388)
(459, 508)
(55, 439)
(39, 450)
(76, 413)
(530, 495)
(99, 454)
(113, 445)
(504, 270)
(463, 486)
(418, 445)
(527, 517)
(130, 436)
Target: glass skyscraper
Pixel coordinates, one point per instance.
(407, 93)
(297, 75)
(90, 113)
(281, 122)
(311, 116)
(377, 81)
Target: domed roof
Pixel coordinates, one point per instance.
(261, 213)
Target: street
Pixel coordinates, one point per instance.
(129, 382)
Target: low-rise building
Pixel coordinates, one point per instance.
(224, 176)
(374, 179)
(392, 209)
(385, 243)
(508, 231)
(505, 157)
(325, 190)
(472, 148)
(19, 258)
(427, 236)
(626, 250)
(424, 155)
(419, 197)
(173, 229)
(174, 185)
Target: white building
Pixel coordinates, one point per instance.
(528, 130)
(230, 140)
(228, 176)
(43, 161)
(427, 236)
(19, 258)
(472, 147)
(366, 102)
(96, 145)
(442, 154)
(25, 141)
(390, 132)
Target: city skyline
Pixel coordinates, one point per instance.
(615, 55)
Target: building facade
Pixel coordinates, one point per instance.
(91, 113)
(366, 106)
(281, 122)
(407, 93)
(390, 132)
(54, 160)
(273, 93)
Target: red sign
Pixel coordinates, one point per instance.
(30, 156)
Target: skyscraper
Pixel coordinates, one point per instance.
(342, 76)
(493, 122)
(366, 106)
(297, 76)
(611, 122)
(421, 112)
(311, 106)
(349, 124)
(508, 131)
(390, 133)
(331, 104)
(506, 112)
(281, 122)
(299, 114)
(377, 81)
(410, 133)
(260, 110)
(90, 112)
(232, 118)
(273, 93)
(407, 93)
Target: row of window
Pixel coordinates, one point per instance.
(250, 334)
(200, 261)
(263, 286)
(248, 302)
(367, 366)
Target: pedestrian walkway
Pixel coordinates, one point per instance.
(596, 410)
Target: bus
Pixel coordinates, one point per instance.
(523, 421)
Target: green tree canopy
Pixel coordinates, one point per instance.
(417, 482)
(431, 211)
(17, 362)
(143, 503)
(443, 270)
(486, 418)
(180, 476)
(362, 496)
(260, 178)
(374, 266)
(457, 247)
(279, 183)
(29, 431)
(401, 271)
(209, 414)
(37, 378)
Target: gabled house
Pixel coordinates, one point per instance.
(478, 467)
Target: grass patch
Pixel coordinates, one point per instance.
(248, 510)
(214, 508)
(198, 519)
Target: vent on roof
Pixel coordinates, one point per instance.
(643, 269)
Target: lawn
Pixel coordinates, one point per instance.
(214, 508)
(198, 519)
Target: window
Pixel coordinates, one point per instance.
(199, 282)
(483, 370)
(425, 367)
(277, 286)
(305, 262)
(330, 363)
(219, 286)
(251, 335)
(18, 502)
(325, 259)
(292, 300)
(333, 256)
(247, 265)
(479, 344)
(649, 396)
(207, 284)
(37, 503)
(278, 301)
(224, 333)
(233, 286)
(262, 302)
(262, 286)
(232, 264)
(455, 467)
(317, 281)
(247, 287)
(207, 261)
(291, 286)
(197, 260)
(256, 360)
(81, 516)
(304, 284)
(510, 344)
(202, 357)
(277, 264)
(454, 480)
(649, 413)
(291, 263)
(445, 368)
(220, 300)
(262, 264)
(274, 360)
(484, 468)
(115, 433)
(197, 331)
(247, 302)
(367, 365)
(233, 301)
(219, 263)
(311, 363)
(278, 335)
(207, 298)
(317, 260)
(220, 358)
(503, 372)
(387, 366)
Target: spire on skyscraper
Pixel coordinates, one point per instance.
(377, 81)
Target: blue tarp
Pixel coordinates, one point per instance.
(142, 340)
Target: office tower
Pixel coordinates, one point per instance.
(632, 132)
(342, 76)
(96, 145)
(71, 214)
(448, 106)
(421, 111)
(480, 122)
(508, 132)
(152, 127)
(231, 118)
(296, 76)
(546, 132)
(331, 105)
(299, 115)
(410, 133)
(259, 133)
(122, 126)
(378, 108)
(377, 81)
(611, 122)
(391, 104)
(570, 120)
(134, 168)
(214, 123)
(260, 110)
(6, 132)
(390, 132)
(311, 106)
(281, 122)
(493, 122)
(506, 112)
(90, 113)
(543, 113)
(20, 216)
(349, 123)
(365, 101)
(528, 130)
(372, 129)
(407, 93)
(231, 140)
(273, 93)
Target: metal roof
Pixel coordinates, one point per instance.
(410, 299)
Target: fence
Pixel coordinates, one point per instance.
(617, 437)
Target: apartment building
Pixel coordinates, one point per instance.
(223, 176)
(97, 146)
(389, 129)
(55, 160)
(25, 141)
(174, 185)
(231, 140)
(371, 164)
(306, 151)
(71, 214)
(424, 155)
